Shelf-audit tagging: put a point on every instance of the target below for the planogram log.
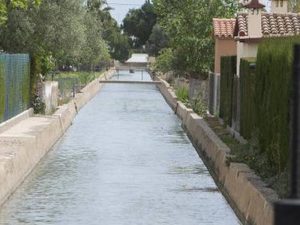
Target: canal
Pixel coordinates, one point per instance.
(124, 161)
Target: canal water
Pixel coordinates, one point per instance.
(124, 161)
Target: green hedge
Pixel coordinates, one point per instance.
(272, 97)
(247, 91)
(228, 71)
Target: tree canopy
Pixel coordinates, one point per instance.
(188, 24)
(70, 32)
(139, 23)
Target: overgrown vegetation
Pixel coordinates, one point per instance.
(251, 155)
(182, 94)
(69, 83)
(164, 62)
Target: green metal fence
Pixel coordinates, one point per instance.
(14, 84)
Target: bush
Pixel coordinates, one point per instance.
(164, 62)
(198, 105)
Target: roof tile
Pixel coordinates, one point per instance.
(223, 28)
(273, 24)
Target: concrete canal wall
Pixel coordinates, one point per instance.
(25, 139)
(246, 192)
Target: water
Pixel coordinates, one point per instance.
(125, 161)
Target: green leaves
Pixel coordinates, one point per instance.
(15, 4)
(188, 24)
(138, 23)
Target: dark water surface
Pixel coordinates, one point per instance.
(125, 161)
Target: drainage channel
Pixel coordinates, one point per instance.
(125, 161)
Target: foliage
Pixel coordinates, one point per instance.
(198, 105)
(157, 41)
(138, 23)
(188, 24)
(251, 155)
(118, 42)
(5, 6)
(164, 62)
(247, 92)
(95, 48)
(228, 69)
(272, 98)
(64, 32)
(38, 105)
(182, 94)
(83, 77)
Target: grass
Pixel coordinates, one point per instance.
(182, 94)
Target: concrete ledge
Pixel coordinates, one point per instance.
(244, 190)
(25, 139)
(13, 121)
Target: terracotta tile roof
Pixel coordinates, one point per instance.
(273, 25)
(280, 24)
(224, 28)
(242, 25)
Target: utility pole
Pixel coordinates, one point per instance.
(287, 211)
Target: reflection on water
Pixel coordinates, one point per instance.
(125, 161)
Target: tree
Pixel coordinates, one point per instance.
(157, 41)
(138, 23)
(6, 5)
(188, 24)
(94, 49)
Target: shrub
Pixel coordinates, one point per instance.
(164, 62)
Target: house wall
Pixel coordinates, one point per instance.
(245, 50)
(223, 47)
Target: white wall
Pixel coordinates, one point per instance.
(245, 50)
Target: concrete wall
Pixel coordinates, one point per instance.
(245, 50)
(246, 192)
(50, 96)
(223, 47)
(26, 139)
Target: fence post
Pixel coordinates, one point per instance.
(287, 212)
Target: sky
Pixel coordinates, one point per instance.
(121, 7)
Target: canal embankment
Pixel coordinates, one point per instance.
(245, 191)
(26, 138)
